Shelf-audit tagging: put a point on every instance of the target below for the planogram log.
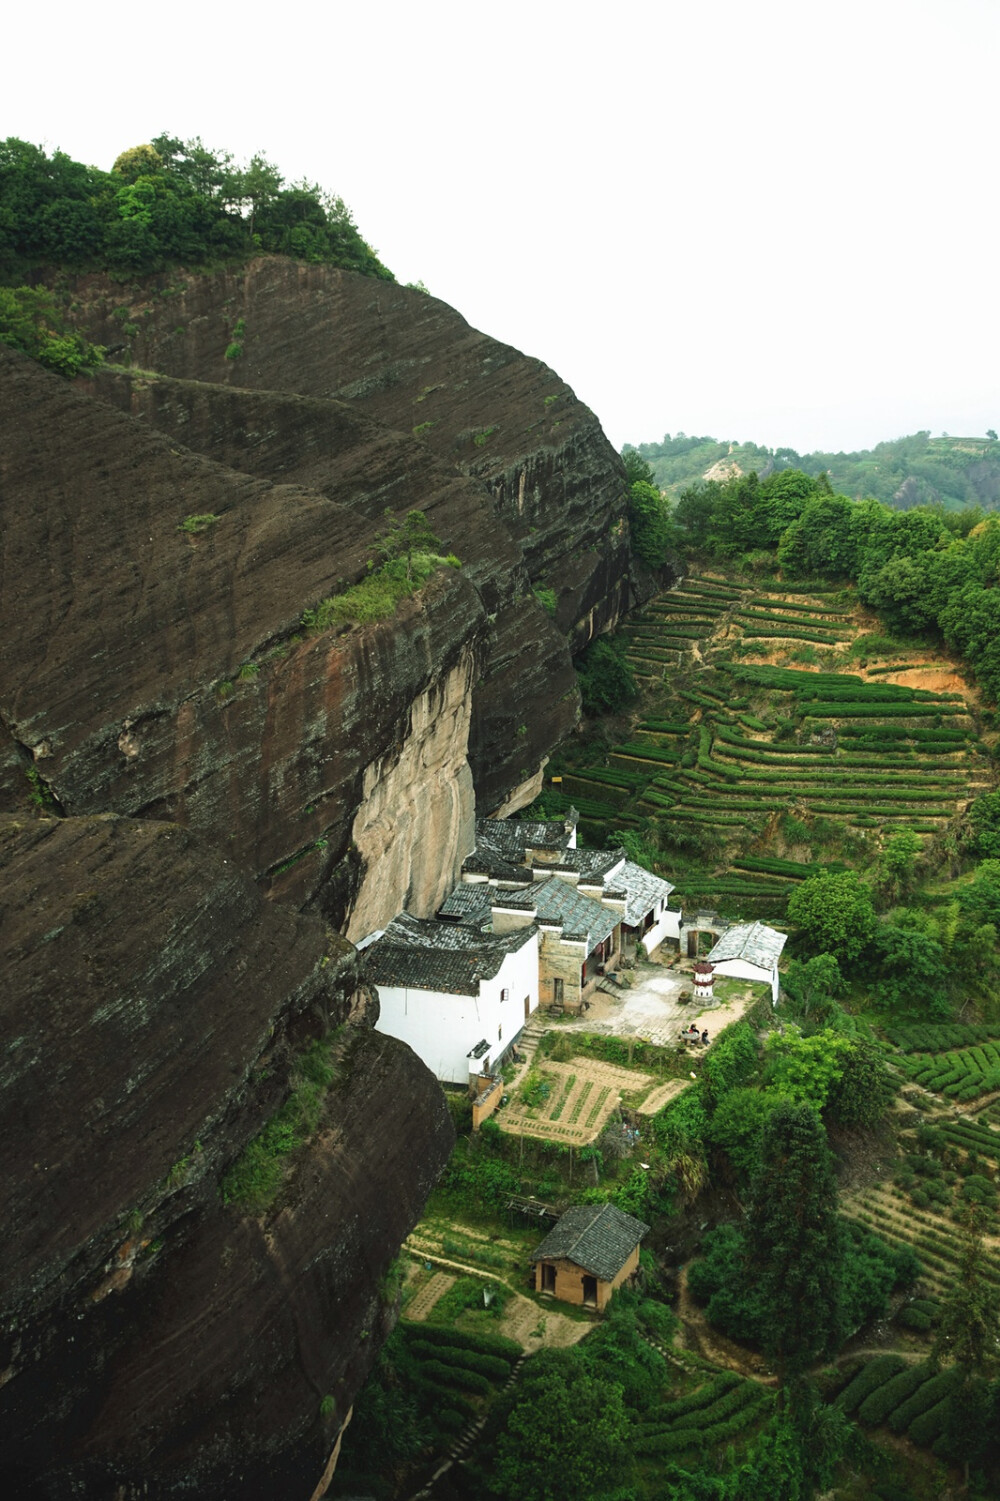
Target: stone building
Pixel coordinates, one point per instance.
(592, 1249)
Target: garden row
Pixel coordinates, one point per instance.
(714, 1414)
(911, 1399)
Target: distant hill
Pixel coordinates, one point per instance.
(913, 471)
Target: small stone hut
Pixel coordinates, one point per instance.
(592, 1249)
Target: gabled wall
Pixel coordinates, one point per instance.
(442, 1028)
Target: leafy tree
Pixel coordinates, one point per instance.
(654, 535)
(737, 1127)
(980, 900)
(30, 320)
(794, 1242)
(805, 1068)
(969, 1330)
(864, 1090)
(405, 537)
(733, 1061)
(137, 161)
(896, 866)
(813, 983)
(835, 913)
(911, 971)
(565, 1435)
(984, 824)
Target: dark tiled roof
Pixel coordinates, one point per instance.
(423, 954)
(471, 902)
(597, 1237)
(555, 901)
(592, 866)
(753, 941)
(502, 844)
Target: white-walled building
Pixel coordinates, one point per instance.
(750, 951)
(447, 990)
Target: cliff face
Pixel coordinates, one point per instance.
(154, 1005)
(413, 363)
(201, 802)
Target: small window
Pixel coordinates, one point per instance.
(504, 996)
(500, 1034)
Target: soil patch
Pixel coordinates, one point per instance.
(536, 1328)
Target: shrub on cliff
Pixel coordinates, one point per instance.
(606, 681)
(31, 322)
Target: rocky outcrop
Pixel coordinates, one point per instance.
(155, 1005)
(523, 699)
(415, 365)
(163, 674)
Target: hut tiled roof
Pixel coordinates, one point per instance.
(600, 1238)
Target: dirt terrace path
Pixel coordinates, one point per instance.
(725, 1353)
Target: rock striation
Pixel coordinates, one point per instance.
(202, 802)
(154, 1006)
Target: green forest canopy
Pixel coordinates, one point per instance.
(164, 203)
(916, 470)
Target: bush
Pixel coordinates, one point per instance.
(885, 1399)
(931, 1424)
(874, 1375)
(925, 1397)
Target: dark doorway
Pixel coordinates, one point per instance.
(548, 1278)
(589, 1292)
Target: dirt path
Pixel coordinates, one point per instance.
(725, 1353)
(657, 1098)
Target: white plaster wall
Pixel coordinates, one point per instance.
(742, 969)
(442, 1029)
(667, 925)
(518, 975)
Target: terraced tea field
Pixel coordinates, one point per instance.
(738, 742)
(888, 1211)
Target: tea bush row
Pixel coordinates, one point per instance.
(483, 1344)
(874, 1375)
(925, 1397)
(892, 1394)
(494, 1367)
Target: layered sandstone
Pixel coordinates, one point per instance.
(154, 1005)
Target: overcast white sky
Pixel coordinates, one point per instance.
(773, 220)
